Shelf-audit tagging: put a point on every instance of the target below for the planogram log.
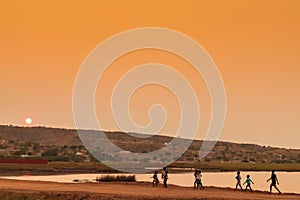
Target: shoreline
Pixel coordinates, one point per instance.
(17, 189)
(72, 172)
(60, 168)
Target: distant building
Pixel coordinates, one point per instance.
(124, 152)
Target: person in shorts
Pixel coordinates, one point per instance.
(248, 181)
(155, 179)
(238, 180)
(274, 180)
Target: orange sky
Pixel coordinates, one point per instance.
(255, 44)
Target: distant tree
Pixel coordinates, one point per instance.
(50, 152)
(17, 153)
(11, 141)
(36, 147)
(28, 144)
(92, 158)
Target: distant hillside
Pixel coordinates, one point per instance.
(65, 145)
(42, 135)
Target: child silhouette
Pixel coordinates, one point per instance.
(248, 181)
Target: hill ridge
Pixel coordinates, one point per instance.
(47, 141)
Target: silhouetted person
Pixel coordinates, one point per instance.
(238, 180)
(163, 173)
(195, 176)
(155, 179)
(166, 177)
(199, 179)
(274, 181)
(248, 181)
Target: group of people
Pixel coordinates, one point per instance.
(164, 176)
(248, 181)
(198, 180)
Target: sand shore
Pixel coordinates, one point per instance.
(15, 189)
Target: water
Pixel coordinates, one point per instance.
(289, 181)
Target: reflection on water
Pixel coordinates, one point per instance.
(289, 181)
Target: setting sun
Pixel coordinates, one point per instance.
(28, 120)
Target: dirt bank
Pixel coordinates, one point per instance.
(15, 189)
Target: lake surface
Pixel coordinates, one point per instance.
(289, 181)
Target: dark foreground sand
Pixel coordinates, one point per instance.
(15, 189)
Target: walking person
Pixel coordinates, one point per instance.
(195, 176)
(163, 172)
(248, 181)
(199, 180)
(166, 177)
(238, 180)
(273, 182)
(155, 181)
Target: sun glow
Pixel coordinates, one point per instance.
(28, 120)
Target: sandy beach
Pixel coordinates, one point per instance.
(15, 189)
